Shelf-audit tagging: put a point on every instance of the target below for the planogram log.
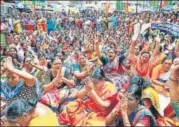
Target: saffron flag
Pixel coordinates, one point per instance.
(126, 7)
(107, 7)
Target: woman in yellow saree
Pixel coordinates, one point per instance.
(102, 97)
(149, 99)
(17, 25)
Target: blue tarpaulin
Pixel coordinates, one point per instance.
(166, 27)
(167, 8)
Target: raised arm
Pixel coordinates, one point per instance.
(98, 48)
(29, 79)
(156, 49)
(177, 49)
(48, 87)
(98, 100)
(114, 115)
(38, 67)
(131, 55)
(94, 96)
(174, 81)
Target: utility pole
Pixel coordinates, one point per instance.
(160, 5)
(137, 4)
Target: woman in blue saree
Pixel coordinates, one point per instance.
(114, 68)
(19, 84)
(129, 111)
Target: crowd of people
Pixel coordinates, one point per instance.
(88, 70)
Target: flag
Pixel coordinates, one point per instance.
(118, 5)
(107, 7)
(126, 7)
(155, 4)
(32, 6)
(169, 2)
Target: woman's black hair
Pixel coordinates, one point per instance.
(154, 112)
(145, 52)
(98, 73)
(28, 56)
(167, 58)
(18, 107)
(137, 85)
(41, 54)
(49, 64)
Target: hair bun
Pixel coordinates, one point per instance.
(137, 80)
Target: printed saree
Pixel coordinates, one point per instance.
(87, 113)
(115, 71)
(138, 115)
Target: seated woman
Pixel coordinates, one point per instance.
(16, 59)
(102, 97)
(160, 75)
(82, 68)
(62, 82)
(177, 49)
(149, 100)
(114, 68)
(34, 69)
(29, 113)
(129, 111)
(92, 55)
(143, 62)
(19, 84)
(174, 86)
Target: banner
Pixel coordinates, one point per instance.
(168, 28)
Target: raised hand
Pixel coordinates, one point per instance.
(89, 84)
(157, 38)
(8, 64)
(175, 68)
(123, 106)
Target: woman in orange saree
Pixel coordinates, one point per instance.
(143, 62)
(102, 97)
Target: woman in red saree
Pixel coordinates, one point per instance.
(102, 97)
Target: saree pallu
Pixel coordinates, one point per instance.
(137, 116)
(176, 108)
(53, 98)
(120, 82)
(30, 27)
(80, 113)
(58, 97)
(167, 122)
